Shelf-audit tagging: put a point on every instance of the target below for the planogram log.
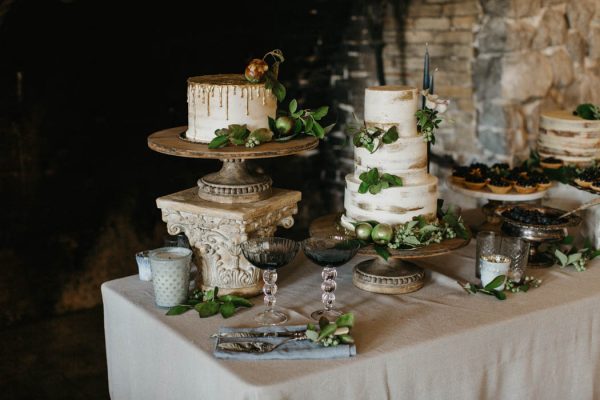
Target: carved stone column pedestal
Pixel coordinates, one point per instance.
(215, 231)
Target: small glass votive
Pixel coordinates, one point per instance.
(492, 266)
(170, 275)
(518, 251)
(143, 263)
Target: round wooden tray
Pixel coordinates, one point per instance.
(328, 225)
(489, 195)
(169, 142)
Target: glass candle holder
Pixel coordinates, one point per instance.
(491, 246)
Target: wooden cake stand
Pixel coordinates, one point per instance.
(495, 200)
(397, 275)
(233, 183)
(227, 207)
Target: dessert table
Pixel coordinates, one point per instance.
(436, 343)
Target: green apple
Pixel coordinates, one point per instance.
(363, 231)
(382, 233)
(284, 125)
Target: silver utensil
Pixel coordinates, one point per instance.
(258, 346)
(250, 334)
(584, 206)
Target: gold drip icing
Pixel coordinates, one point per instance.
(227, 101)
(220, 96)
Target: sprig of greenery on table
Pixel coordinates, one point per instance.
(209, 303)
(573, 256)
(371, 138)
(491, 289)
(332, 333)
(588, 111)
(374, 183)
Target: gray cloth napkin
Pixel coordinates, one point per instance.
(293, 350)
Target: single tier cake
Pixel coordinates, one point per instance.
(569, 138)
(216, 101)
(387, 106)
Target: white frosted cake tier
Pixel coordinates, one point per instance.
(569, 138)
(216, 101)
(406, 158)
(392, 105)
(394, 205)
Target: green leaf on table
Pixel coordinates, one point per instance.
(382, 251)
(227, 309)
(327, 330)
(209, 295)
(218, 142)
(207, 309)
(573, 257)
(500, 295)
(390, 136)
(293, 106)
(562, 257)
(236, 300)
(323, 322)
(312, 335)
(311, 327)
(594, 254)
(524, 287)
(345, 320)
(496, 282)
(180, 309)
(347, 339)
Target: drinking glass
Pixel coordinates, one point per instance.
(329, 253)
(270, 254)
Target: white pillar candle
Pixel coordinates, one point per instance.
(492, 266)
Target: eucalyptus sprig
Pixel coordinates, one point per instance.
(573, 256)
(587, 111)
(209, 303)
(374, 183)
(332, 333)
(491, 289)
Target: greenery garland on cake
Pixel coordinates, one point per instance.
(412, 234)
(288, 125)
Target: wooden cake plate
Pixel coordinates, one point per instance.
(234, 183)
(397, 275)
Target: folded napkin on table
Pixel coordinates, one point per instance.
(293, 350)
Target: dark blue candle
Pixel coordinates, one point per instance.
(426, 72)
(431, 83)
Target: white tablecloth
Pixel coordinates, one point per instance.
(437, 343)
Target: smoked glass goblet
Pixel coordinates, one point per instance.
(270, 254)
(329, 253)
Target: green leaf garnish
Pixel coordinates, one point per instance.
(496, 282)
(218, 142)
(345, 320)
(180, 309)
(327, 330)
(208, 308)
(382, 251)
(227, 309)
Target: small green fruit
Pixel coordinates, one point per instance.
(284, 125)
(382, 233)
(363, 231)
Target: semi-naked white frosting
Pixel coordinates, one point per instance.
(569, 138)
(386, 106)
(216, 101)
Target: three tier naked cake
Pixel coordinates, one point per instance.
(216, 101)
(387, 106)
